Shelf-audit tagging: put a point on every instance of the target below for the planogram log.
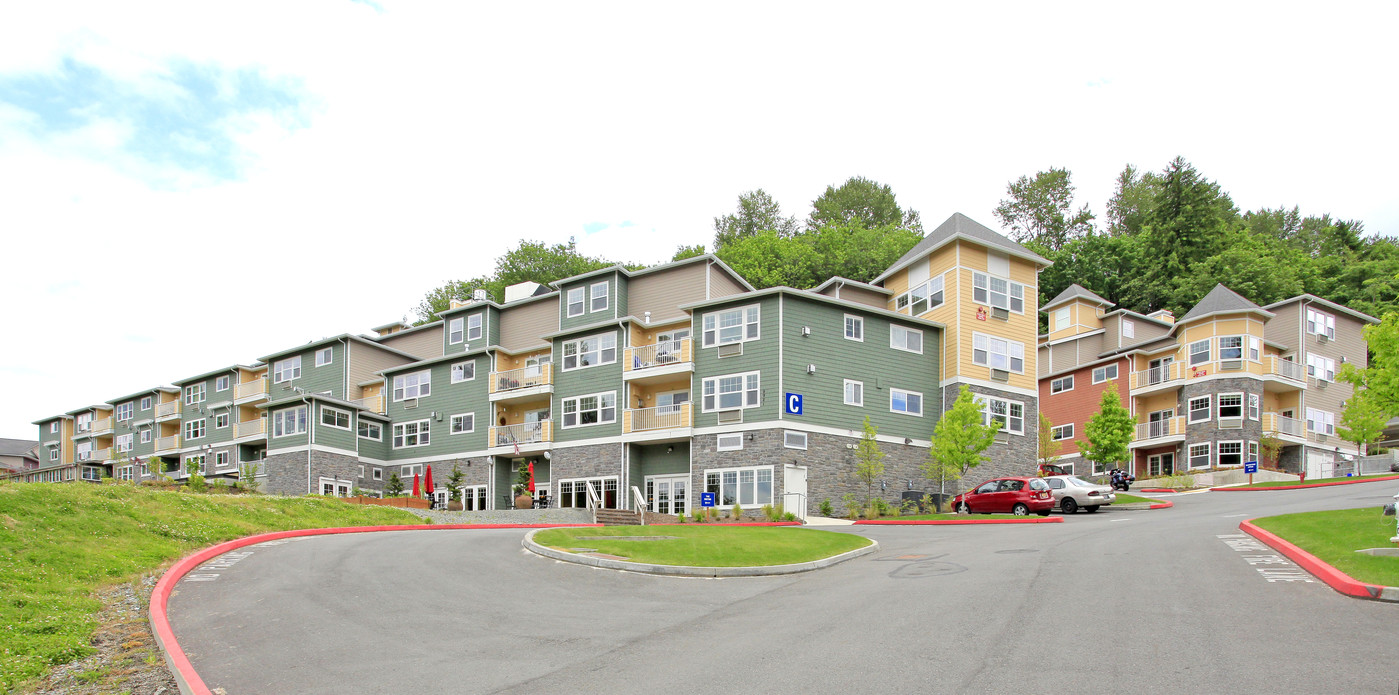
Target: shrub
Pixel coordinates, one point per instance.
(852, 508)
(789, 516)
(929, 503)
(767, 512)
(697, 515)
(908, 507)
(218, 487)
(737, 512)
(826, 508)
(680, 518)
(878, 508)
(196, 483)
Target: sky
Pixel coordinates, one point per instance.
(186, 186)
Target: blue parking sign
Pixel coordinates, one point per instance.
(706, 499)
(1251, 467)
(794, 404)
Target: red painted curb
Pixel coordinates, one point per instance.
(1157, 489)
(160, 622)
(744, 523)
(1334, 578)
(1162, 505)
(958, 522)
(1307, 485)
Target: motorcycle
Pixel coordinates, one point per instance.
(1122, 480)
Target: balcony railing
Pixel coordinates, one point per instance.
(95, 455)
(1286, 369)
(657, 354)
(373, 404)
(167, 409)
(527, 377)
(1168, 427)
(658, 418)
(524, 433)
(248, 428)
(1273, 422)
(167, 443)
(248, 389)
(102, 426)
(1156, 375)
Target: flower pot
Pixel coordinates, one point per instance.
(455, 506)
(524, 502)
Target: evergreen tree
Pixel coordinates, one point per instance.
(394, 488)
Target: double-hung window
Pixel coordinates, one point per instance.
(334, 417)
(221, 383)
(454, 331)
(1061, 319)
(598, 291)
(1321, 368)
(194, 394)
(463, 371)
(125, 412)
(325, 356)
(575, 301)
(854, 328)
(1199, 409)
(1200, 455)
(731, 392)
(1231, 453)
(593, 409)
(1231, 405)
(906, 402)
(194, 429)
(473, 327)
(998, 353)
(124, 442)
(146, 403)
(998, 292)
(1199, 352)
(854, 392)
(146, 435)
(731, 326)
(590, 351)
(1254, 410)
(221, 421)
(1321, 421)
(1321, 324)
(287, 369)
(415, 385)
(1011, 414)
(410, 434)
(464, 423)
(288, 422)
(909, 339)
(1231, 347)
(1062, 384)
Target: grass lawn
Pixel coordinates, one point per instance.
(62, 542)
(707, 546)
(1309, 481)
(952, 517)
(1335, 536)
(1124, 498)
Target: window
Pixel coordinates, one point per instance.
(194, 429)
(575, 301)
(1011, 414)
(194, 394)
(590, 351)
(407, 472)
(221, 383)
(731, 392)
(1253, 451)
(998, 292)
(324, 356)
(1231, 347)
(910, 339)
(53, 427)
(53, 454)
(1104, 373)
(731, 326)
(1321, 368)
(464, 423)
(410, 434)
(906, 402)
(124, 442)
(593, 409)
(794, 440)
(415, 385)
(370, 430)
(1231, 405)
(454, 331)
(671, 402)
(1253, 406)
(1199, 455)
(1321, 324)
(334, 417)
(1062, 384)
(221, 421)
(220, 459)
(1199, 352)
(1062, 432)
(473, 327)
(463, 371)
(854, 328)
(288, 422)
(1061, 319)
(1199, 409)
(1231, 453)
(1129, 329)
(124, 412)
(729, 442)
(146, 436)
(287, 369)
(598, 290)
(377, 474)
(743, 486)
(921, 298)
(1320, 421)
(1255, 348)
(146, 403)
(998, 353)
(854, 392)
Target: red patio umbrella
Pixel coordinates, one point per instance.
(416, 492)
(427, 481)
(531, 476)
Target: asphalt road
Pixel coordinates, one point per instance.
(1119, 601)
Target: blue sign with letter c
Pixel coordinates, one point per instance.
(794, 404)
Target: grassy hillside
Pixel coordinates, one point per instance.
(61, 543)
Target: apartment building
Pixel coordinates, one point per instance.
(1206, 388)
(635, 387)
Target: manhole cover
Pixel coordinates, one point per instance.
(625, 538)
(1017, 550)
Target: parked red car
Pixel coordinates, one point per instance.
(1019, 496)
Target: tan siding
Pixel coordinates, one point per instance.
(1146, 331)
(1065, 356)
(426, 344)
(861, 295)
(661, 292)
(721, 284)
(1043, 360)
(523, 326)
(1350, 340)
(365, 360)
(1283, 328)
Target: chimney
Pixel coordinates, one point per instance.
(523, 290)
(1162, 315)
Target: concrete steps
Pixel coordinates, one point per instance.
(618, 517)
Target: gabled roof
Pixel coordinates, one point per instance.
(1075, 291)
(17, 447)
(836, 279)
(1222, 300)
(959, 226)
(1326, 303)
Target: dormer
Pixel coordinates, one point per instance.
(1075, 311)
(592, 297)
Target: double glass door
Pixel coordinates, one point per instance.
(667, 494)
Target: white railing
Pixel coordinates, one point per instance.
(167, 443)
(594, 498)
(1156, 375)
(1272, 422)
(1287, 369)
(657, 418)
(95, 455)
(248, 428)
(658, 354)
(103, 425)
(1161, 428)
(640, 501)
(523, 378)
(248, 389)
(524, 433)
(374, 404)
(167, 409)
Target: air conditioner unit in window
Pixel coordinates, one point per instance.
(731, 350)
(729, 417)
(1000, 375)
(1231, 423)
(999, 313)
(1321, 338)
(410, 403)
(1231, 365)
(1321, 383)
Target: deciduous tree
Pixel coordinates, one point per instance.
(863, 202)
(1041, 210)
(960, 439)
(869, 460)
(1109, 431)
(757, 212)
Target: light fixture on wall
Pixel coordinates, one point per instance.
(810, 369)
(670, 449)
(907, 441)
(750, 436)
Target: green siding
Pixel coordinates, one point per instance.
(446, 399)
(44, 436)
(492, 326)
(190, 413)
(368, 448)
(325, 435)
(655, 460)
(328, 378)
(489, 318)
(620, 296)
(587, 380)
(759, 355)
(287, 441)
(872, 362)
(503, 481)
(588, 317)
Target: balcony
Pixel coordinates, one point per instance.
(249, 428)
(101, 427)
(657, 360)
(525, 436)
(664, 417)
(167, 410)
(256, 388)
(1148, 432)
(169, 444)
(95, 455)
(374, 404)
(1164, 376)
(1284, 426)
(1294, 371)
(516, 384)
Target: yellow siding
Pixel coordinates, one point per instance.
(646, 335)
(1155, 402)
(647, 392)
(898, 284)
(1020, 328)
(514, 413)
(971, 256)
(943, 260)
(505, 363)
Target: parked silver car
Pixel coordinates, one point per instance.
(1072, 493)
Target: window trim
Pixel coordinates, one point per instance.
(845, 393)
(1190, 455)
(224, 418)
(194, 394)
(743, 398)
(452, 423)
(329, 352)
(908, 300)
(1056, 433)
(221, 383)
(423, 434)
(146, 404)
(1129, 329)
(1190, 411)
(1011, 347)
(787, 442)
(479, 329)
(894, 328)
(709, 336)
(1219, 406)
(366, 424)
(579, 353)
(1191, 352)
(738, 475)
(581, 302)
(1060, 381)
(985, 289)
(289, 365)
(987, 415)
(1219, 451)
(199, 426)
(1255, 407)
(337, 412)
(1327, 321)
(859, 323)
(287, 420)
(1104, 369)
(453, 370)
(1065, 313)
(130, 409)
(456, 331)
(593, 296)
(400, 393)
(578, 410)
(906, 393)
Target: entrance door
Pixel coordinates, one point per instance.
(794, 490)
(1161, 464)
(667, 494)
(534, 369)
(534, 432)
(335, 488)
(1160, 370)
(1160, 423)
(473, 498)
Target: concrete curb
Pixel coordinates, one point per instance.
(685, 571)
(1158, 490)
(958, 522)
(1304, 486)
(1334, 578)
(185, 676)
